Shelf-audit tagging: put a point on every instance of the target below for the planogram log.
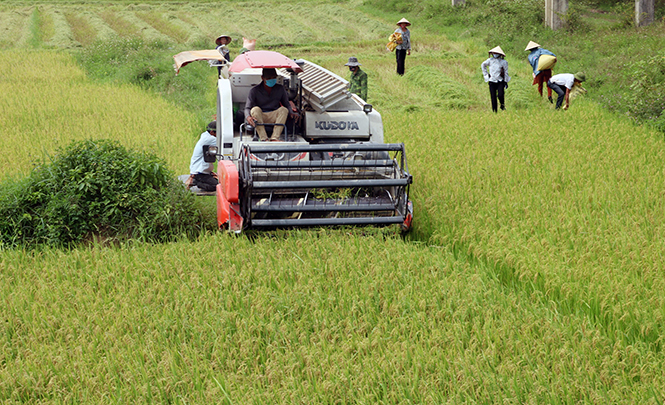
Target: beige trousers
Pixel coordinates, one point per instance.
(278, 116)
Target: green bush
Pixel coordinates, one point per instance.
(96, 190)
(642, 95)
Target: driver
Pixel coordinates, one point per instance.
(268, 103)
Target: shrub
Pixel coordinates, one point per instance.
(645, 98)
(96, 190)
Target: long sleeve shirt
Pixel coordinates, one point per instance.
(268, 101)
(495, 70)
(359, 84)
(406, 39)
(197, 164)
(533, 58)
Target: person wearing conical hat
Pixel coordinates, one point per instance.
(358, 82)
(404, 45)
(544, 74)
(495, 72)
(565, 81)
(222, 41)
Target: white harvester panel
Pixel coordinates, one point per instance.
(347, 124)
(243, 82)
(322, 88)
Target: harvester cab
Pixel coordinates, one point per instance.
(332, 167)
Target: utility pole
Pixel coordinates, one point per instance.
(644, 12)
(554, 9)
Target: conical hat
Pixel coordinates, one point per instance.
(531, 45)
(497, 50)
(217, 40)
(405, 21)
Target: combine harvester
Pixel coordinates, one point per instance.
(332, 168)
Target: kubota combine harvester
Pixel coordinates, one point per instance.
(333, 167)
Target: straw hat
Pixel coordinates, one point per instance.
(580, 76)
(531, 45)
(353, 61)
(404, 21)
(222, 36)
(497, 50)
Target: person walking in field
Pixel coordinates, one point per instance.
(565, 81)
(542, 61)
(495, 72)
(358, 78)
(403, 45)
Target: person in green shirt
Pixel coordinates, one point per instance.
(358, 78)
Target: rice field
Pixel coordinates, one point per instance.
(533, 275)
(72, 25)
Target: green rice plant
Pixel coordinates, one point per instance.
(15, 26)
(35, 28)
(82, 31)
(552, 201)
(308, 316)
(121, 26)
(450, 94)
(49, 107)
(166, 27)
(147, 31)
(63, 37)
(101, 30)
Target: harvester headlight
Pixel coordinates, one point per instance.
(367, 108)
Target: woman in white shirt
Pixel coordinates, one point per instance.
(495, 72)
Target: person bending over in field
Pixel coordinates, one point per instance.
(495, 72)
(565, 81)
(268, 103)
(201, 172)
(541, 76)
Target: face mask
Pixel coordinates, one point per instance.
(495, 55)
(271, 82)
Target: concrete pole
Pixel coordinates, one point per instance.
(458, 2)
(644, 11)
(554, 9)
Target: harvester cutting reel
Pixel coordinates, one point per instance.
(331, 184)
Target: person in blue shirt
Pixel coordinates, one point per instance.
(539, 76)
(200, 170)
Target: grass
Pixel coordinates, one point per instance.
(532, 274)
(299, 321)
(63, 106)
